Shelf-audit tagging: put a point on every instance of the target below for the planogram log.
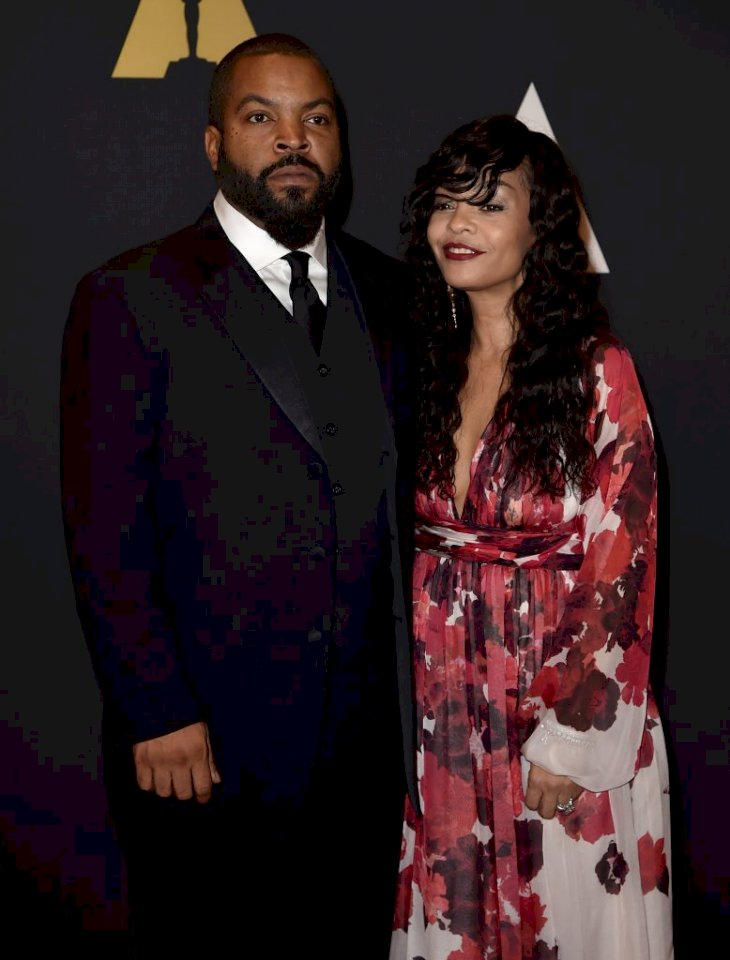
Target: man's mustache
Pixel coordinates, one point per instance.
(291, 160)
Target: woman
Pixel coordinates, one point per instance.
(542, 764)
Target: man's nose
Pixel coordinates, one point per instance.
(291, 137)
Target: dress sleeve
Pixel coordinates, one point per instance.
(588, 702)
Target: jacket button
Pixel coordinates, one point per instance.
(330, 429)
(337, 489)
(314, 635)
(323, 370)
(314, 470)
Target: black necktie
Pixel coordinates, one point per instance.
(307, 308)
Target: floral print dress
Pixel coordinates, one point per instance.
(533, 627)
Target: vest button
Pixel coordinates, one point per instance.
(323, 370)
(330, 429)
(337, 489)
(314, 635)
(317, 552)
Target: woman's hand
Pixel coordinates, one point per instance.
(546, 790)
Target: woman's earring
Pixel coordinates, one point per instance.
(452, 298)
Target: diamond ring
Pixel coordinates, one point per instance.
(567, 807)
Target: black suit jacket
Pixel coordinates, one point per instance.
(197, 507)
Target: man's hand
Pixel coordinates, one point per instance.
(545, 790)
(180, 764)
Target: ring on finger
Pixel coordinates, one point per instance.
(567, 807)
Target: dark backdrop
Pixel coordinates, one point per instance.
(636, 94)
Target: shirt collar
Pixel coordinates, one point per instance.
(257, 246)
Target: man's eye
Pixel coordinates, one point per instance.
(320, 120)
(258, 118)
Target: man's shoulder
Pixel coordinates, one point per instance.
(359, 254)
(163, 255)
(381, 284)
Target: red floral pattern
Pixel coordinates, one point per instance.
(532, 621)
(653, 860)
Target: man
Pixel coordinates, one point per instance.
(229, 492)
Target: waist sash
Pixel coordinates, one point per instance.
(562, 550)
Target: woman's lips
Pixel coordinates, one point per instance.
(459, 251)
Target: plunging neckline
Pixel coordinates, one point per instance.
(475, 458)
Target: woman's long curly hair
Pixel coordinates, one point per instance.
(543, 414)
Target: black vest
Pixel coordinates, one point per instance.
(343, 390)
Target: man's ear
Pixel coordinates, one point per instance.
(213, 139)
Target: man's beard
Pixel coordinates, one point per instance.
(292, 221)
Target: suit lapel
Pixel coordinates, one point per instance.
(343, 291)
(253, 318)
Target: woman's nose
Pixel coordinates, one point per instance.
(461, 218)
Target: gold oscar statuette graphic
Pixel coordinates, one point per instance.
(171, 35)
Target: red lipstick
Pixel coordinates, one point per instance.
(460, 251)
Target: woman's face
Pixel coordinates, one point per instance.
(480, 248)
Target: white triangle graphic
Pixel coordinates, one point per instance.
(533, 115)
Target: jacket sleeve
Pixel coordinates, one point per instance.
(111, 403)
(588, 702)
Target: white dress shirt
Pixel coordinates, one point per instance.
(264, 253)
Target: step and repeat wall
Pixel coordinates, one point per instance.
(104, 106)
